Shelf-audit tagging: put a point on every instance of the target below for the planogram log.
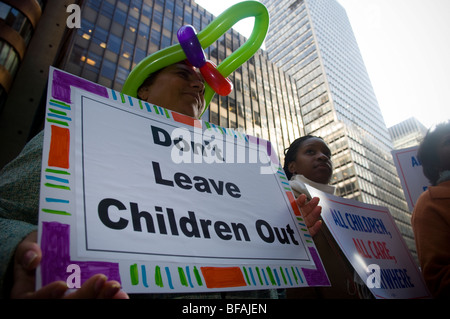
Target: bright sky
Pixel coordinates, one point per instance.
(405, 45)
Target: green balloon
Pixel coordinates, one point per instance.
(206, 37)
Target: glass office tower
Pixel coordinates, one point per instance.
(313, 41)
(116, 34)
(407, 133)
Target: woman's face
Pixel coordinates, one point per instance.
(178, 87)
(313, 160)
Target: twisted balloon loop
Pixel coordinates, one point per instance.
(196, 56)
(205, 38)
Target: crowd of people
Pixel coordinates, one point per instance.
(180, 87)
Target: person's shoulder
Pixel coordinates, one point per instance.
(424, 197)
(441, 191)
(434, 199)
(36, 142)
(420, 207)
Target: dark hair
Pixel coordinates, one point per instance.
(149, 80)
(427, 152)
(290, 153)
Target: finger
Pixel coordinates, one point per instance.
(121, 295)
(313, 216)
(90, 289)
(28, 254)
(54, 290)
(112, 290)
(306, 209)
(315, 228)
(26, 258)
(301, 200)
(97, 287)
(310, 206)
(313, 202)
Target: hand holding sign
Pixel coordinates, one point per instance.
(167, 220)
(311, 213)
(28, 256)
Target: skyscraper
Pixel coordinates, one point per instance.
(408, 133)
(115, 35)
(313, 41)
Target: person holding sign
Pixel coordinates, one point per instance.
(308, 161)
(431, 216)
(178, 87)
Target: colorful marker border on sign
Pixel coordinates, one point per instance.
(55, 210)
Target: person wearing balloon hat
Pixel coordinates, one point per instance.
(180, 87)
(177, 85)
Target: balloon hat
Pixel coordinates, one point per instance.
(191, 48)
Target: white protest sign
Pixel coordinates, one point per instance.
(411, 175)
(162, 202)
(371, 241)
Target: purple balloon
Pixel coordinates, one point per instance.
(191, 46)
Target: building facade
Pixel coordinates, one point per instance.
(313, 41)
(320, 85)
(32, 33)
(116, 35)
(408, 133)
(18, 20)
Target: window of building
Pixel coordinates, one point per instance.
(107, 9)
(120, 16)
(114, 43)
(8, 58)
(122, 75)
(144, 29)
(108, 69)
(147, 10)
(127, 50)
(17, 21)
(139, 55)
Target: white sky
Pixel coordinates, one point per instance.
(405, 45)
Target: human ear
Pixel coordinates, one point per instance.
(292, 167)
(143, 93)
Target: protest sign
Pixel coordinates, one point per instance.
(162, 202)
(411, 175)
(371, 241)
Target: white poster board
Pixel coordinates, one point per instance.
(161, 202)
(371, 241)
(411, 175)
